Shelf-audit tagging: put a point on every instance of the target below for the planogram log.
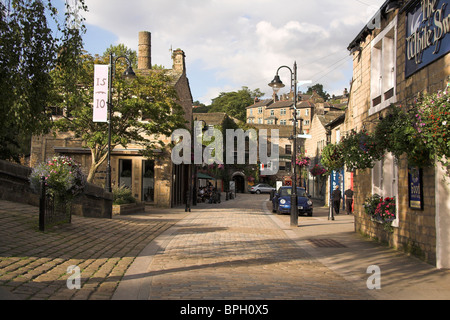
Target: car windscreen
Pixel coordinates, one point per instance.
(288, 191)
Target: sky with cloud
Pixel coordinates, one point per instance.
(230, 44)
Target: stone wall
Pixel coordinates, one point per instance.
(416, 230)
(15, 186)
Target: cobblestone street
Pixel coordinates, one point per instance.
(235, 250)
(33, 265)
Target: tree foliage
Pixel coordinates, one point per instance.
(151, 98)
(235, 103)
(319, 89)
(29, 50)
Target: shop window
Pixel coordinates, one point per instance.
(383, 69)
(148, 180)
(385, 179)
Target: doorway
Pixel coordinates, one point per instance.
(239, 182)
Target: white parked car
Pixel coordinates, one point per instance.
(261, 188)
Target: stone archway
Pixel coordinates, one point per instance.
(239, 181)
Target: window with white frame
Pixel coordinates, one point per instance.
(283, 112)
(272, 112)
(385, 180)
(260, 110)
(383, 69)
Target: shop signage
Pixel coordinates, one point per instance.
(337, 179)
(415, 188)
(427, 34)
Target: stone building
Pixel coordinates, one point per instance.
(387, 70)
(278, 111)
(325, 128)
(157, 180)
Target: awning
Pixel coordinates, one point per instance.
(204, 176)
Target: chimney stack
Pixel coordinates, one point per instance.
(179, 63)
(145, 51)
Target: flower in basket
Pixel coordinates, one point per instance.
(303, 162)
(318, 170)
(62, 175)
(371, 204)
(433, 124)
(385, 210)
(381, 210)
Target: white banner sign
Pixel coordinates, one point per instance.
(101, 73)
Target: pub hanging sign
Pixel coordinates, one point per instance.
(427, 34)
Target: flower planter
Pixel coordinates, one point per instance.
(129, 208)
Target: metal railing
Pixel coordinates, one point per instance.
(52, 210)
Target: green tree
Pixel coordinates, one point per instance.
(29, 50)
(122, 50)
(235, 103)
(144, 108)
(319, 89)
(200, 107)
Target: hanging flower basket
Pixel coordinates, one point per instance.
(360, 150)
(303, 161)
(332, 157)
(433, 124)
(318, 170)
(398, 133)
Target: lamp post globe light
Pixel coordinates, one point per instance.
(129, 74)
(276, 85)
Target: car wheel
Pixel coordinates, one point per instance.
(258, 191)
(310, 214)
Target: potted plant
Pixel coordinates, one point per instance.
(63, 180)
(124, 202)
(381, 210)
(63, 177)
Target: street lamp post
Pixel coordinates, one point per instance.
(129, 73)
(276, 85)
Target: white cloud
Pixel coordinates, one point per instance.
(241, 43)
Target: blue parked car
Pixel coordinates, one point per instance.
(281, 202)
